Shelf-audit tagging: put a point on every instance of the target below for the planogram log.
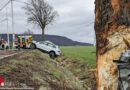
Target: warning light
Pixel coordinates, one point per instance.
(2, 84)
(1, 79)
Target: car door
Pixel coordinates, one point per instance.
(50, 47)
(40, 44)
(43, 46)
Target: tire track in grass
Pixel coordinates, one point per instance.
(5, 56)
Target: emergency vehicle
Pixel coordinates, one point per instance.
(23, 41)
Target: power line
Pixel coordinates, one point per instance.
(21, 2)
(2, 1)
(5, 5)
(3, 20)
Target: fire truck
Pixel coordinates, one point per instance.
(23, 41)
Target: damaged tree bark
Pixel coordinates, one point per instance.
(112, 27)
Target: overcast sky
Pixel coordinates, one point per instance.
(75, 20)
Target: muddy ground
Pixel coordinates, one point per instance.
(81, 70)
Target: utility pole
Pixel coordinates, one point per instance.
(7, 27)
(13, 34)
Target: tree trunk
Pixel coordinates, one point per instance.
(112, 27)
(43, 32)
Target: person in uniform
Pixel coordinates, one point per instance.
(23, 41)
(2, 43)
(18, 43)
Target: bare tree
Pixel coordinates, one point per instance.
(28, 32)
(40, 13)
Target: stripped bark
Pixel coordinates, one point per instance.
(112, 27)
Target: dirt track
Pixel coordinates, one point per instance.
(8, 53)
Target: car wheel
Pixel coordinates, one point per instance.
(18, 47)
(33, 46)
(3, 46)
(52, 55)
(7, 47)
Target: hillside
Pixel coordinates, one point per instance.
(59, 40)
(34, 69)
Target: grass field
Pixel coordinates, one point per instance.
(85, 53)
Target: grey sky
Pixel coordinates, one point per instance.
(75, 20)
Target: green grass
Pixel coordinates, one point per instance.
(85, 53)
(13, 64)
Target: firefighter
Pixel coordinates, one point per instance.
(2, 43)
(23, 41)
(18, 43)
(30, 39)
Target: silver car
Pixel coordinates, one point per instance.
(46, 46)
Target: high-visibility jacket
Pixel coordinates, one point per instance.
(23, 41)
(2, 42)
(30, 39)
